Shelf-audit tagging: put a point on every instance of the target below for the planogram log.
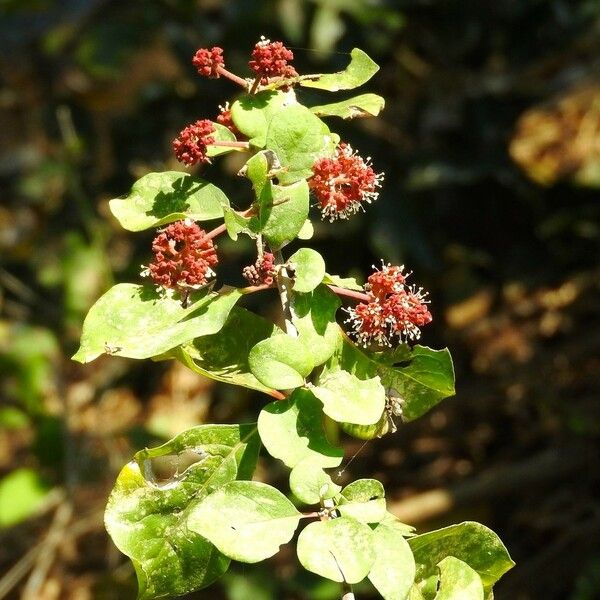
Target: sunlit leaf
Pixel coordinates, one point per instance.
(22, 492)
(365, 105)
(364, 500)
(308, 267)
(221, 134)
(458, 581)
(310, 483)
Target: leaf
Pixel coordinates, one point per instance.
(313, 316)
(309, 269)
(365, 105)
(221, 134)
(310, 483)
(363, 500)
(458, 581)
(340, 549)
(147, 510)
(346, 398)
(282, 210)
(470, 542)
(306, 231)
(292, 431)
(298, 138)
(224, 355)
(138, 322)
(246, 520)
(236, 223)
(422, 380)
(160, 198)
(252, 114)
(393, 571)
(22, 493)
(348, 283)
(280, 362)
(359, 71)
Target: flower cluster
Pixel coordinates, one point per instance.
(270, 59)
(190, 145)
(262, 272)
(183, 256)
(342, 183)
(393, 310)
(209, 62)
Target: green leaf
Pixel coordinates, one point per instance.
(359, 71)
(298, 138)
(470, 542)
(148, 508)
(280, 362)
(221, 134)
(348, 283)
(309, 269)
(292, 431)
(364, 500)
(252, 114)
(393, 571)
(421, 380)
(246, 520)
(223, 356)
(310, 483)
(282, 210)
(22, 493)
(365, 105)
(306, 231)
(314, 318)
(236, 223)
(458, 581)
(160, 198)
(340, 549)
(346, 398)
(138, 322)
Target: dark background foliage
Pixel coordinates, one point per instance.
(490, 142)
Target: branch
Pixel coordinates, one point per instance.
(285, 294)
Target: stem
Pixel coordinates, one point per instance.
(228, 144)
(285, 295)
(256, 288)
(347, 592)
(255, 84)
(216, 231)
(309, 515)
(361, 296)
(232, 77)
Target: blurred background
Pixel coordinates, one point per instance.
(490, 142)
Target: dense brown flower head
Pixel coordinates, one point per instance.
(342, 184)
(191, 144)
(207, 62)
(394, 311)
(262, 272)
(183, 256)
(270, 59)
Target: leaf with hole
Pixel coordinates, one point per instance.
(365, 105)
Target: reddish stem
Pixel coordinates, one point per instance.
(216, 231)
(255, 85)
(251, 289)
(227, 144)
(231, 76)
(360, 296)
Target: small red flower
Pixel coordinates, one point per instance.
(191, 144)
(343, 183)
(224, 118)
(394, 310)
(270, 59)
(183, 256)
(208, 62)
(262, 272)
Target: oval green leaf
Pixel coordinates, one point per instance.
(309, 482)
(292, 431)
(280, 362)
(138, 322)
(147, 510)
(363, 500)
(365, 105)
(246, 520)
(309, 269)
(458, 581)
(160, 198)
(359, 71)
(393, 571)
(340, 549)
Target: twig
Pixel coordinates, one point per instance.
(285, 294)
(348, 594)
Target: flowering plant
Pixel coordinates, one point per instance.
(182, 525)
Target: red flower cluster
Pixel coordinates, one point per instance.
(342, 183)
(262, 272)
(270, 59)
(208, 62)
(190, 145)
(183, 256)
(394, 310)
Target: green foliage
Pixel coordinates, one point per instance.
(308, 267)
(365, 105)
(458, 581)
(252, 114)
(364, 500)
(22, 492)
